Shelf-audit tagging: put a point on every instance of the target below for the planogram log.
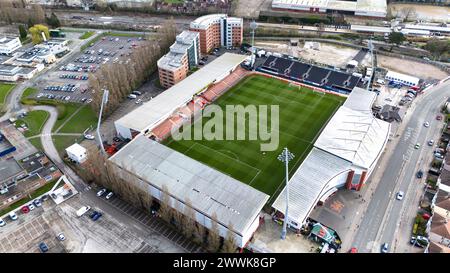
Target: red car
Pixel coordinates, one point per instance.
(25, 209)
(353, 250)
(439, 117)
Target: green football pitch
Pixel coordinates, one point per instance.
(302, 114)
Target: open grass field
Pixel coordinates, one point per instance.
(35, 120)
(5, 88)
(303, 113)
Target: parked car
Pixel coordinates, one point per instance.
(88, 136)
(385, 248)
(430, 142)
(419, 174)
(101, 192)
(131, 96)
(37, 203)
(61, 236)
(137, 93)
(138, 101)
(83, 210)
(2, 223)
(400, 195)
(13, 216)
(419, 241)
(109, 195)
(43, 247)
(25, 209)
(31, 206)
(96, 215)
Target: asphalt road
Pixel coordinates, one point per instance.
(384, 213)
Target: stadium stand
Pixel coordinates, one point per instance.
(310, 74)
(199, 101)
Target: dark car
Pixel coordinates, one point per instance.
(385, 248)
(43, 247)
(97, 216)
(419, 174)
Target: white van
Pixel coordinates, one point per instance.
(83, 210)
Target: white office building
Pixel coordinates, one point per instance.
(9, 44)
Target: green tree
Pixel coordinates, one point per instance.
(23, 32)
(438, 47)
(396, 38)
(53, 21)
(30, 22)
(36, 33)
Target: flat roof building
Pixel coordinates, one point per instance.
(366, 8)
(184, 55)
(402, 78)
(12, 73)
(9, 44)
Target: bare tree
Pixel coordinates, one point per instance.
(189, 227)
(213, 240)
(165, 209)
(229, 243)
(408, 13)
(199, 234)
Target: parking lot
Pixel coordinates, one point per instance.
(120, 229)
(69, 82)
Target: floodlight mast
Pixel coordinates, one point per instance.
(253, 27)
(370, 45)
(285, 157)
(99, 136)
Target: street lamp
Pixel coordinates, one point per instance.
(285, 157)
(99, 136)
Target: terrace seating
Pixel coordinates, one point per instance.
(316, 75)
(302, 72)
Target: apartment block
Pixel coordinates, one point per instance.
(218, 30)
(184, 54)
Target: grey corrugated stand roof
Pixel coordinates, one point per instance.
(309, 182)
(208, 190)
(163, 105)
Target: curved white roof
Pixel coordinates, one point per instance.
(205, 21)
(355, 136)
(309, 183)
